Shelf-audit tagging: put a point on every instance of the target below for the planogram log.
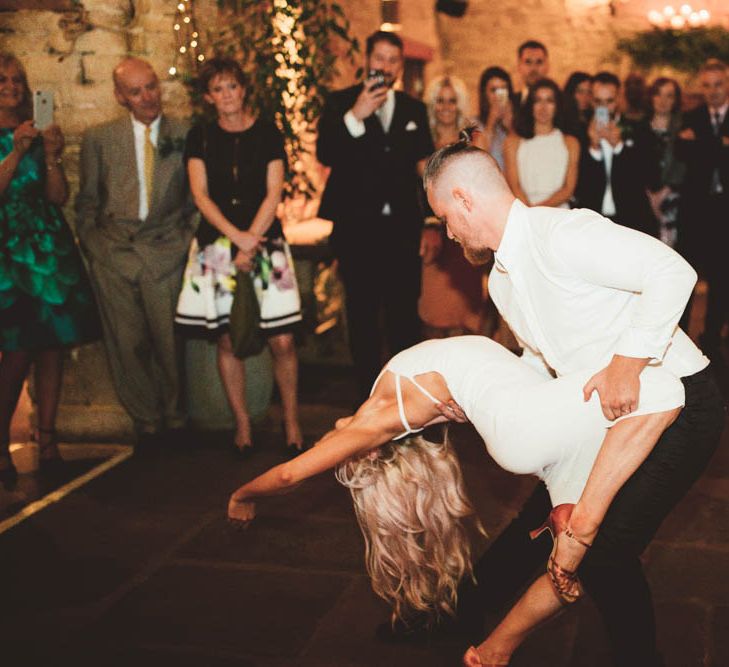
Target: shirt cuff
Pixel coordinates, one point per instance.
(642, 344)
(355, 127)
(617, 149)
(596, 153)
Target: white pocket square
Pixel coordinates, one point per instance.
(412, 125)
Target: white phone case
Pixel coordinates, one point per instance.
(42, 109)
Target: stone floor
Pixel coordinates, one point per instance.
(139, 567)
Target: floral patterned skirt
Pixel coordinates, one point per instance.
(208, 286)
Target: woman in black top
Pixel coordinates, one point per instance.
(664, 122)
(236, 170)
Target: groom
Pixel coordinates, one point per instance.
(579, 291)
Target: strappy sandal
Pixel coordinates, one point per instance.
(566, 583)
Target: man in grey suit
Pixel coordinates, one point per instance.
(135, 222)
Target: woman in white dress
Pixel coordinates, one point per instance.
(408, 492)
(540, 162)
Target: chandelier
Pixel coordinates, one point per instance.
(679, 19)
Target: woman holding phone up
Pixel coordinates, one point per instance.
(46, 302)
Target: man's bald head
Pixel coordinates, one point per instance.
(136, 87)
(467, 190)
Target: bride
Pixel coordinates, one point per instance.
(408, 492)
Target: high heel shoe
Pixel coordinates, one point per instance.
(565, 582)
(49, 458)
(472, 659)
(292, 449)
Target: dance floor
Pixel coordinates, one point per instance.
(139, 567)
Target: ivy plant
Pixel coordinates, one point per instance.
(683, 50)
(288, 50)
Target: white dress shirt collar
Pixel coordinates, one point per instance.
(720, 110)
(513, 239)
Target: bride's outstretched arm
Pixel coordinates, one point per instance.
(366, 430)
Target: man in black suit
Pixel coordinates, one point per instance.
(704, 145)
(376, 141)
(616, 168)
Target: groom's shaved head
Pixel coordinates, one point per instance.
(468, 192)
(466, 165)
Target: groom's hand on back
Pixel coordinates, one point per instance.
(618, 386)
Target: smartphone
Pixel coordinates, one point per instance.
(502, 95)
(602, 116)
(377, 76)
(42, 109)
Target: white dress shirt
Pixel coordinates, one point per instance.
(605, 154)
(139, 151)
(577, 288)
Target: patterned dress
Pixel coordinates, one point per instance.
(45, 297)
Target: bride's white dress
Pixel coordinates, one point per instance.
(531, 424)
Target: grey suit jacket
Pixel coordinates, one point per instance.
(107, 205)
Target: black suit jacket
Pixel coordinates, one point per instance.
(700, 230)
(372, 170)
(704, 154)
(632, 173)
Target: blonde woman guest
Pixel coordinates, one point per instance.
(236, 170)
(540, 162)
(530, 423)
(451, 299)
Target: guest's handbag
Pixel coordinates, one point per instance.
(245, 334)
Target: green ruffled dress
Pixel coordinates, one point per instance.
(45, 296)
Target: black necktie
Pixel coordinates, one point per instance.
(717, 122)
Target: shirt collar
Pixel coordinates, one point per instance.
(139, 127)
(720, 110)
(514, 236)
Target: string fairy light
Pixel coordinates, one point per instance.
(187, 40)
(288, 37)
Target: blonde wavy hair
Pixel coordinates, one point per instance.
(431, 95)
(410, 502)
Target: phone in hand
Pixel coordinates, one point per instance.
(602, 116)
(377, 79)
(42, 109)
(502, 95)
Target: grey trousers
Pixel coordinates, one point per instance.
(137, 315)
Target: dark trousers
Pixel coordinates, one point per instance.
(381, 276)
(611, 572)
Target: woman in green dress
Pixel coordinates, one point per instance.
(46, 303)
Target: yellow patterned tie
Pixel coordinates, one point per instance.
(148, 164)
